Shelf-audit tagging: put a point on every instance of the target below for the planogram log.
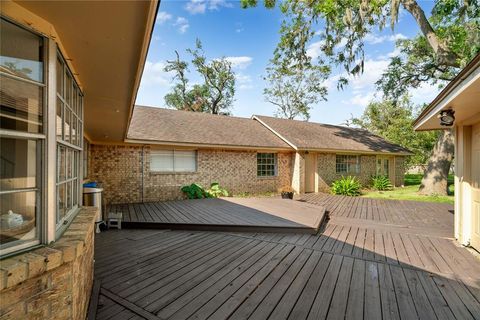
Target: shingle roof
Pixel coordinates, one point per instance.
(310, 135)
(173, 126)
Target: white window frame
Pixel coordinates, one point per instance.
(357, 166)
(174, 171)
(48, 229)
(41, 138)
(275, 164)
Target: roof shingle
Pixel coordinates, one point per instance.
(173, 126)
(311, 135)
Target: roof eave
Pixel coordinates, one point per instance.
(204, 145)
(453, 89)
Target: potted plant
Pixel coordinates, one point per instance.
(287, 192)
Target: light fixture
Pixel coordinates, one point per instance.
(447, 117)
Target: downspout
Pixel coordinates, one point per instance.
(143, 168)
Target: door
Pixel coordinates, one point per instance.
(384, 166)
(475, 187)
(310, 169)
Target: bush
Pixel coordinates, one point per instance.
(216, 191)
(196, 191)
(381, 183)
(347, 186)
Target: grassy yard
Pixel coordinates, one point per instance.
(409, 192)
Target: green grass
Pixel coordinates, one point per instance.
(409, 192)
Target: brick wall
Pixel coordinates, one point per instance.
(52, 282)
(326, 165)
(399, 171)
(119, 169)
(327, 173)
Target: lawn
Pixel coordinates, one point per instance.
(409, 192)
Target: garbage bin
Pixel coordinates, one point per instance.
(93, 197)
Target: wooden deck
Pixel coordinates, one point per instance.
(225, 214)
(373, 259)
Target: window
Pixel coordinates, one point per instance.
(86, 155)
(173, 161)
(266, 164)
(346, 164)
(383, 166)
(22, 136)
(69, 122)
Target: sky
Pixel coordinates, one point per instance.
(247, 38)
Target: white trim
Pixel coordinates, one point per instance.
(51, 145)
(359, 152)
(199, 145)
(454, 92)
(276, 133)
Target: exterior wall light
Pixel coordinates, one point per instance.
(447, 117)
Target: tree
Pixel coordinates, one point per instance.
(182, 97)
(216, 93)
(448, 40)
(393, 120)
(293, 91)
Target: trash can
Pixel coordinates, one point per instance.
(93, 197)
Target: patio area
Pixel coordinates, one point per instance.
(224, 214)
(372, 259)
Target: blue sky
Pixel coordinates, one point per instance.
(247, 37)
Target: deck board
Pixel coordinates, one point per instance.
(369, 261)
(236, 214)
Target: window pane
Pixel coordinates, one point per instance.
(21, 52)
(67, 121)
(74, 130)
(61, 202)
(18, 216)
(21, 105)
(18, 164)
(266, 164)
(69, 163)
(69, 195)
(161, 161)
(185, 161)
(75, 192)
(60, 77)
(59, 119)
(61, 163)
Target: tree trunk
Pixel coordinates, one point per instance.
(434, 180)
(444, 56)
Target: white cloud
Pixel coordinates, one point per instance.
(360, 99)
(376, 39)
(196, 6)
(182, 24)
(372, 71)
(201, 6)
(243, 81)
(163, 17)
(154, 74)
(314, 49)
(240, 62)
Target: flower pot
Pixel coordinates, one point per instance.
(287, 195)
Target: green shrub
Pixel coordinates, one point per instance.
(194, 191)
(347, 186)
(216, 191)
(381, 183)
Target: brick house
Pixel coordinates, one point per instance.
(166, 149)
